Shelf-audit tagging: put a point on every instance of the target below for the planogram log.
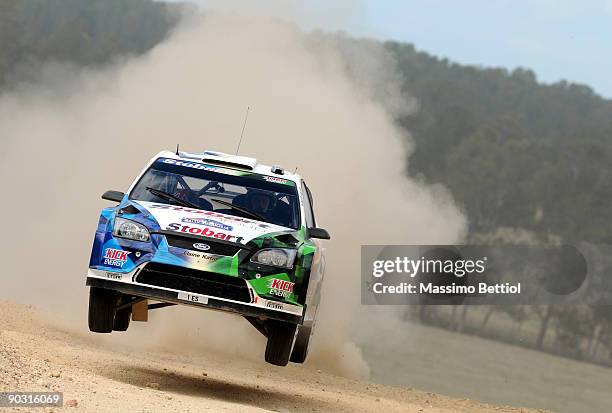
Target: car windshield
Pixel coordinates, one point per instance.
(226, 191)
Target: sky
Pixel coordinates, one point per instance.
(557, 39)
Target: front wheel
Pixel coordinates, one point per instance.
(122, 319)
(280, 341)
(101, 310)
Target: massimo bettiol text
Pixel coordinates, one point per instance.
(449, 268)
(408, 274)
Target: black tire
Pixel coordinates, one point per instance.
(280, 341)
(300, 348)
(101, 310)
(122, 319)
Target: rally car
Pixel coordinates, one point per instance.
(214, 231)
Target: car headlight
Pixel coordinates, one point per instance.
(131, 230)
(276, 257)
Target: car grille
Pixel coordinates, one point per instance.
(194, 281)
(216, 248)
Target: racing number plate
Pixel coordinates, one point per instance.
(193, 298)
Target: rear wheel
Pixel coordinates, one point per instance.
(280, 341)
(304, 333)
(300, 348)
(101, 310)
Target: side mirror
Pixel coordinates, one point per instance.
(113, 196)
(318, 233)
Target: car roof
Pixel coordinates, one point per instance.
(243, 163)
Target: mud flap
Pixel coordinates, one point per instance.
(140, 311)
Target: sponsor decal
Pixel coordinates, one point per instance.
(193, 165)
(275, 179)
(250, 222)
(203, 167)
(113, 276)
(115, 258)
(205, 231)
(280, 288)
(203, 212)
(208, 223)
(201, 246)
(274, 305)
(202, 256)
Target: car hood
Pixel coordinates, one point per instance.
(207, 223)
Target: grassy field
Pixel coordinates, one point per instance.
(437, 360)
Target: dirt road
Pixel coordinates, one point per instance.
(34, 356)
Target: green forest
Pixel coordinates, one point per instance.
(514, 153)
(82, 32)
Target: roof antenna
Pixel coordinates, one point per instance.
(177, 152)
(294, 172)
(246, 117)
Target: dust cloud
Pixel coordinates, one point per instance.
(315, 105)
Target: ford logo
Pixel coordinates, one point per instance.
(201, 246)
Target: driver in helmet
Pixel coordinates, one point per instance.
(260, 202)
(189, 195)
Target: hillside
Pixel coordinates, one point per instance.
(513, 152)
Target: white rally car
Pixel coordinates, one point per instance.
(214, 231)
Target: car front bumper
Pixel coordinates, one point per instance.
(259, 307)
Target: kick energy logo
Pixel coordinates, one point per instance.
(280, 288)
(115, 258)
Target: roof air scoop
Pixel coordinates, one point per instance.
(232, 161)
(277, 170)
